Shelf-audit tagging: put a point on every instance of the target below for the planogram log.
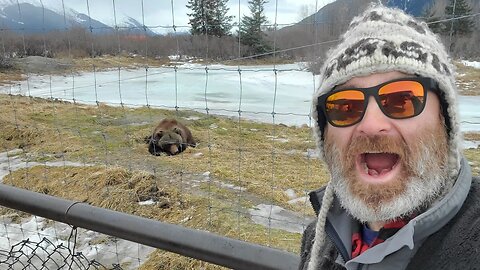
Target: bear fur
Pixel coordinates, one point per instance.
(170, 137)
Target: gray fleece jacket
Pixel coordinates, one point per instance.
(446, 236)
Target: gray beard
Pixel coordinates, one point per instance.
(427, 182)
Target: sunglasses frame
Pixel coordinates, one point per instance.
(427, 84)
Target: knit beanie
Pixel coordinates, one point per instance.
(381, 40)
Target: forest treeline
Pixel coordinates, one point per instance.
(307, 40)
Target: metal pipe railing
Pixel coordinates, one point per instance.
(196, 244)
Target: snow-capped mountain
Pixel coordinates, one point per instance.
(135, 27)
(33, 18)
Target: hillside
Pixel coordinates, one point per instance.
(32, 19)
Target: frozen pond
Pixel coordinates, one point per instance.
(258, 92)
(469, 113)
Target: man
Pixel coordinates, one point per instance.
(401, 195)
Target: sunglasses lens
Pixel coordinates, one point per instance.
(402, 99)
(345, 107)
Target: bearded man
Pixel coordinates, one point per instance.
(401, 196)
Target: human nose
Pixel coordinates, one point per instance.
(374, 122)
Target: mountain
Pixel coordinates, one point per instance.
(345, 10)
(342, 11)
(330, 20)
(136, 28)
(414, 7)
(31, 19)
(314, 35)
(333, 19)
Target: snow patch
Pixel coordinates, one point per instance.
(192, 118)
(473, 64)
(12, 161)
(312, 153)
(230, 186)
(276, 217)
(148, 202)
(291, 193)
(301, 200)
(276, 139)
(108, 251)
(471, 144)
(198, 155)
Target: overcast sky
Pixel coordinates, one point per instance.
(159, 12)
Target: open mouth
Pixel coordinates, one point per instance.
(377, 164)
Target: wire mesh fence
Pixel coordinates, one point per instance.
(78, 131)
(46, 254)
(36, 243)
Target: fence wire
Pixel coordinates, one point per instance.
(36, 243)
(46, 255)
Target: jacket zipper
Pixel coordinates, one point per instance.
(332, 234)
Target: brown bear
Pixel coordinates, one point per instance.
(170, 137)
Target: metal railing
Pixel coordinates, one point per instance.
(196, 244)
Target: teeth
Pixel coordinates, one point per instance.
(372, 172)
(385, 171)
(365, 167)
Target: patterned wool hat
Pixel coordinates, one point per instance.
(381, 40)
(385, 39)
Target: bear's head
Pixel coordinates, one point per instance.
(170, 142)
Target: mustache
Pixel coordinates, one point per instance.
(376, 144)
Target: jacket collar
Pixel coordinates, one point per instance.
(425, 224)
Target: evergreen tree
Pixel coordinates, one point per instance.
(464, 26)
(250, 31)
(209, 17)
(433, 21)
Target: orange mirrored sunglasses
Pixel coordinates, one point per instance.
(398, 99)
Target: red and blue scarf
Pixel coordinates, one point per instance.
(364, 238)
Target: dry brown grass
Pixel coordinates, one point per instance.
(118, 189)
(259, 61)
(79, 64)
(469, 80)
(112, 138)
(244, 155)
(109, 62)
(8, 76)
(472, 136)
(113, 188)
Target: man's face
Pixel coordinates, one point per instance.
(385, 168)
